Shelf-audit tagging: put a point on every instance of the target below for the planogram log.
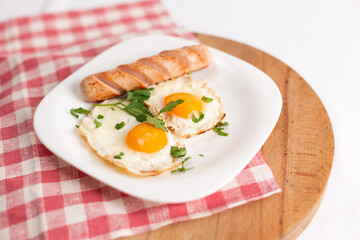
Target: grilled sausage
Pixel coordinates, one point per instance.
(144, 72)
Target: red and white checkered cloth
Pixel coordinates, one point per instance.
(41, 196)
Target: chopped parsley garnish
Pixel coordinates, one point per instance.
(100, 117)
(139, 110)
(80, 110)
(196, 120)
(220, 127)
(97, 123)
(182, 168)
(119, 126)
(112, 108)
(201, 155)
(207, 99)
(77, 126)
(177, 152)
(119, 155)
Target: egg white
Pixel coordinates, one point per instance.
(107, 142)
(186, 84)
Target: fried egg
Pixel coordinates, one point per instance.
(180, 119)
(119, 138)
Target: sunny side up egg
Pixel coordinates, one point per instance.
(195, 93)
(145, 149)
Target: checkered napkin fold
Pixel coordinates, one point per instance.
(41, 196)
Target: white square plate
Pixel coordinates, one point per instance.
(251, 100)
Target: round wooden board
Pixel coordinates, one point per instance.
(299, 151)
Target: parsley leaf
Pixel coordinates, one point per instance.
(100, 117)
(77, 126)
(158, 123)
(177, 152)
(119, 155)
(74, 114)
(219, 128)
(81, 110)
(97, 123)
(207, 99)
(139, 94)
(119, 126)
(138, 110)
(182, 168)
(201, 155)
(222, 124)
(171, 105)
(196, 120)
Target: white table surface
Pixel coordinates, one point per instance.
(319, 39)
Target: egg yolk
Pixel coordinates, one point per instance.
(191, 104)
(146, 138)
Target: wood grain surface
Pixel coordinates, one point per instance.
(299, 152)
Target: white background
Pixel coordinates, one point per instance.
(319, 39)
